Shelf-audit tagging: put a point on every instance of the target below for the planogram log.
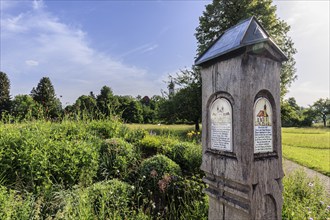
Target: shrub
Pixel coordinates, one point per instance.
(117, 159)
(151, 145)
(304, 198)
(105, 129)
(153, 169)
(103, 200)
(37, 155)
(186, 200)
(13, 205)
(187, 155)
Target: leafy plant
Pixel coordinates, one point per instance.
(304, 198)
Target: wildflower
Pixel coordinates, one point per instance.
(143, 177)
(311, 218)
(321, 202)
(133, 187)
(162, 185)
(310, 184)
(153, 205)
(153, 173)
(328, 207)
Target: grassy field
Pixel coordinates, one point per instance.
(308, 147)
(100, 169)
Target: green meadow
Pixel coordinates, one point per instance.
(308, 147)
(103, 169)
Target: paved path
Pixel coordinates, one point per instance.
(289, 167)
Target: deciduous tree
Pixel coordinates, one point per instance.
(321, 108)
(222, 14)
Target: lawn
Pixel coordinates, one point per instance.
(308, 147)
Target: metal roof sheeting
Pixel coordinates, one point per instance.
(245, 33)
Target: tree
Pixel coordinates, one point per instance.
(321, 109)
(106, 101)
(4, 93)
(86, 105)
(185, 104)
(130, 109)
(222, 14)
(45, 95)
(290, 113)
(24, 107)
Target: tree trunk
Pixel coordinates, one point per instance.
(324, 120)
(196, 125)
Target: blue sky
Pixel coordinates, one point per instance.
(132, 46)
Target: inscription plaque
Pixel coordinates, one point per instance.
(221, 125)
(263, 131)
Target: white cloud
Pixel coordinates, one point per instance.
(31, 62)
(62, 52)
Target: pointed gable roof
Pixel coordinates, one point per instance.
(245, 33)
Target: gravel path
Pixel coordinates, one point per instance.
(289, 167)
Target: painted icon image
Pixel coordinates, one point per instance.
(221, 125)
(263, 131)
(263, 111)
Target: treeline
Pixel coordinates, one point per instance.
(293, 115)
(182, 105)
(42, 102)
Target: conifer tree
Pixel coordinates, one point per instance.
(45, 95)
(4, 93)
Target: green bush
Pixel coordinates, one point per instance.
(13, 205)
(185, 199)
(151, 145)
(105, 129)
(304, 198)
(37, 155)
(153, 169)
(103, 200)
(187, 155)
(117, 159)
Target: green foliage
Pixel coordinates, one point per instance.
(152, 145)
(153, 169)
(37, 155)
(304, 198)
(25, 108)
(13, 205)
(186, 104)
(4, 93)
(130, 109)
(117, 159)
(48, 171)
(221, 15)
(294, 116)
(106, 102)
(45, 95)
(188, 155)
(321, 109)
(86, 105)
(102, 200)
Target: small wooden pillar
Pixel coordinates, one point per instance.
(242, 151)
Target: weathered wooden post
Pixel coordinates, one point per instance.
(242, 155)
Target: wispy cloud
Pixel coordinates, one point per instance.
(140, 49)
(63, 53)
(31, 62)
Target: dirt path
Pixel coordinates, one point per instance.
(289, 167)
